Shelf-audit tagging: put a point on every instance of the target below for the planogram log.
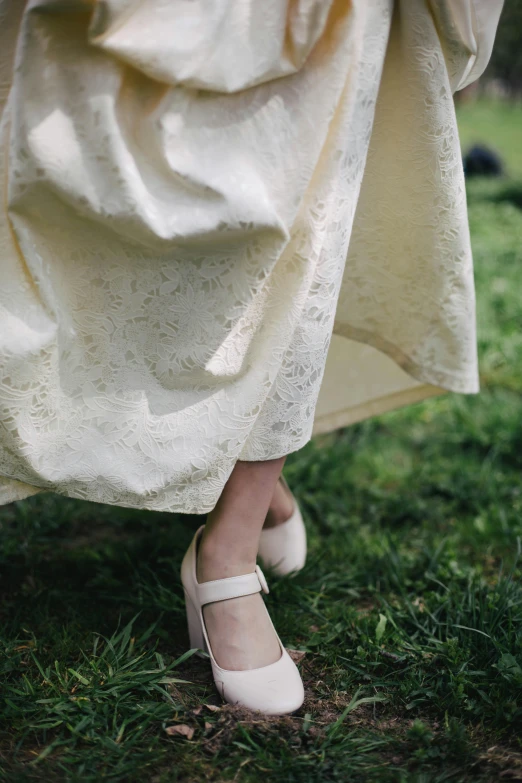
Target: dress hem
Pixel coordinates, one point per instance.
(433, 383)
(462, 383)
(347, 416)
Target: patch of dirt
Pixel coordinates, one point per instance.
(505, 756)
(216, 722)
(221, 728)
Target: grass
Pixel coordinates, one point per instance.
(406, 622)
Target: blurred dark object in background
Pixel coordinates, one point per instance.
(481, 161)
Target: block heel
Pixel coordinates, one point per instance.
(195, 630)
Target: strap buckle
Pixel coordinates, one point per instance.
(262, 580)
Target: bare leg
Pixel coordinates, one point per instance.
(239, 629)
(281, 507)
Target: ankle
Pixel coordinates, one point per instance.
(219, 560)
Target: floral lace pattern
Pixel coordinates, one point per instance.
(176, 254)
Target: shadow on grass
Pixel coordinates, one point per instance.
(495, 190)
(511, 194)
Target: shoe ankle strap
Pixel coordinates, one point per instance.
(232, 587)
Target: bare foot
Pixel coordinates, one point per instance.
(239, 629)
(281, 506)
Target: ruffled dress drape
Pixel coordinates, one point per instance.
(227, 226)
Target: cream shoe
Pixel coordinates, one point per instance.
(283, 547)
(275, 689)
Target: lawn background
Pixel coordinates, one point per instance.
(409, 611)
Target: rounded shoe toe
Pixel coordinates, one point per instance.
(276, 689)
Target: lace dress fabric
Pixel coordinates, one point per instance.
(223, 233)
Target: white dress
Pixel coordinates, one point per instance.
(227, 226)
